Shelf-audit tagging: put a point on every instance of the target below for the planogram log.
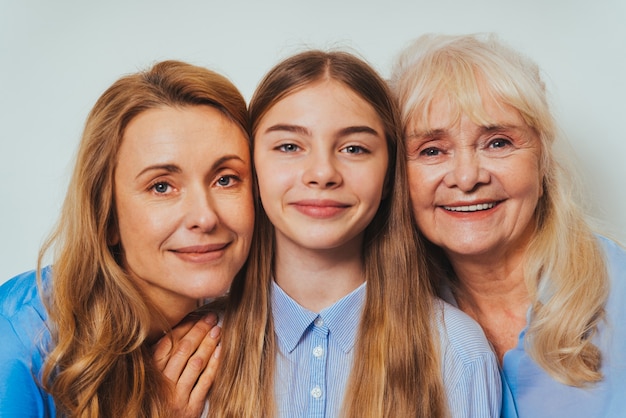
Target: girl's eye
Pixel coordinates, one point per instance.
(288, 148)
(354, 149)
(430, 152)
(161, 187)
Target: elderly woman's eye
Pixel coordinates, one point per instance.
(430, 152)
(499, 143)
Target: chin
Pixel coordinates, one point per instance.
(209, 290)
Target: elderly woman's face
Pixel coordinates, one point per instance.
(474, 188)
(183, 193)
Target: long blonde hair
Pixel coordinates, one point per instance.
(564, 269)
(396, 372)
(99, 364)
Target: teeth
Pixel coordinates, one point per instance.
(471, 208)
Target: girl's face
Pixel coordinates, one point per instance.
(183, 195)
(321, 159)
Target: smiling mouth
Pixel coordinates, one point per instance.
(202, 254)
(470, 208)
(201, 249)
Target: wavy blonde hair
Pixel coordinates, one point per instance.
(396, 372)
(100, 364)
(565, 271)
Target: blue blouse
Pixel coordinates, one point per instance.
(24, 337)
(316, 352)
(530, 392)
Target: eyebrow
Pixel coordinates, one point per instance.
(494, 128)
(301, 130)
(173, 168)
(432, 133)
(426, 134)
(358, 130)
(296, 129)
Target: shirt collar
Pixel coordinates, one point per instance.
(342, 318)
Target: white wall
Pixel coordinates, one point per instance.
(56, 58)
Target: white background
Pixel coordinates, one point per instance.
(57, 57)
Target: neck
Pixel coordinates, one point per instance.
(496, 296)
(317, 279)
(165, 319)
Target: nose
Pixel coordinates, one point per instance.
(466, 171)
(321, 171)
(200, 212)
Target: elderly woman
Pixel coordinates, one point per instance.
(509, 246)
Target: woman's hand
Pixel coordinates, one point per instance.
(188, 357)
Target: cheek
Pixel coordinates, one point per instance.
(128, 220)
(138, 229)
(420, 186)
(527, 186)
(238, 214)
(274, 181)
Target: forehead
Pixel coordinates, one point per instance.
(322, 101)
(445, 111)
(180, 132)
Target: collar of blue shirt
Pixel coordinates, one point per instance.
(342, 318)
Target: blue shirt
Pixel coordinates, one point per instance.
(24, 336)
(315, 355)
(530, 392)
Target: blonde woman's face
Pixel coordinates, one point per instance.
(183, 192)
(474, 187)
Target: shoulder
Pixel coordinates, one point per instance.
(469, 367)
(615, 254)
(463, 344)
(22, 293)
(459, 334)
(22, 312)
(24, 335)
(615, 257)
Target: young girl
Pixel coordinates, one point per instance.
(335, 316)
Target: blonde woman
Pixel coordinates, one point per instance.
(335, 317)
(508, 242)
(158, 216)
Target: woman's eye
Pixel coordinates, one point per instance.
(161, 187)
(430, 152)
(288, 148)
(354, 149)
(225, 181)
(499, 143)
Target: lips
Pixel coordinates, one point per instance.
(320, 209)
(201, 253)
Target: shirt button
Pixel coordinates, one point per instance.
(318, 321)
(318, 351)
(316, 392)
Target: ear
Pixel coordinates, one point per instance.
(113, 237)
(113, 232)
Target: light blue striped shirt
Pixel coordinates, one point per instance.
(315, 354)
